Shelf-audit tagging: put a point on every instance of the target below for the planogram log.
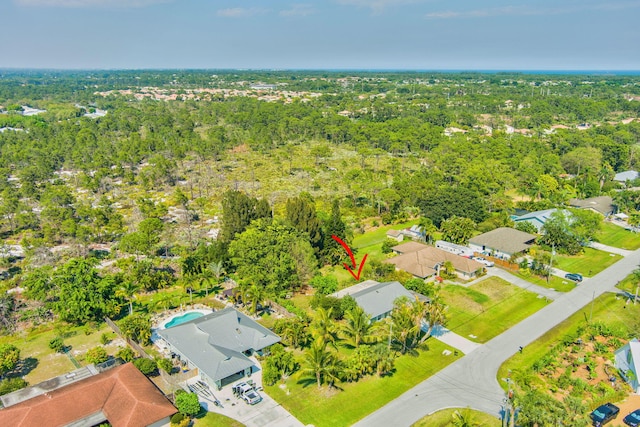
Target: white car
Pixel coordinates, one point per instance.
(251, 397)
(484, 261)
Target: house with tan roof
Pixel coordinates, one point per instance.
(121, 396)
(602, 205)
(424, 261)
(503, 242)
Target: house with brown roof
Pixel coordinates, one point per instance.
(503, 242)
(121, 396)
(424, 261)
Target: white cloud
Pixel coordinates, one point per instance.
(298, 10)
(89, 3)
(239, 12)
(529, 11)
(377, 6)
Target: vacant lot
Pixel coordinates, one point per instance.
(589, 263)
(353, 401)
(618, 237)
(488, 308)
(557, 283)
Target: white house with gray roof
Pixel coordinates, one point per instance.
(503, 242)
(376, 299)
(537, 218)
(218, 345)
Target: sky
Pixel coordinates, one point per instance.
(326, 34)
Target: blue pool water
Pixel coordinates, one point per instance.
(182, 319)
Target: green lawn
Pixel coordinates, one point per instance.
(331, 407)
(487, 308)
(45, 363)
(443, 419)
(555, 282)
(606, 308)
(618, 237)
(211, 419)
(379, 235)
(589, 263)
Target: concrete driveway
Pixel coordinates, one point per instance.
(471, 381)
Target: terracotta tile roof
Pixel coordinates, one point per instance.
(123, 394)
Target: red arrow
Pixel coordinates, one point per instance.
(353, 259)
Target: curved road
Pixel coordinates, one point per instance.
(471, 381)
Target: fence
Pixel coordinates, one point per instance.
(500, 262)
(134, 345)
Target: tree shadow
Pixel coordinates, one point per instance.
(23, 367)
(306, 382)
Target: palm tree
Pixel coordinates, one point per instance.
(435, 316)
(463, 419)
(427, 229)
(323, 328)
(254, 295)
(358, 326)
(163, 300)
(128, 290)
(321, 363)
(405, 329)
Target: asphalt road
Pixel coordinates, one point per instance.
(471, 381)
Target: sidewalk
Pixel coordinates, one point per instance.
(611, 249)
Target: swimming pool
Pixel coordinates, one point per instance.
(178, 320)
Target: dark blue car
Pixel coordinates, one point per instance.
(633, 419)
(604, 413)
(573, 276)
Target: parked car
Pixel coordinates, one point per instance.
(483, 261)
(633, 419)
(241, 388)
(573, 276)
(604, 413)
(251, 397)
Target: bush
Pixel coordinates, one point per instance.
(324, 285)
(387, 245)
(188, 404)
(12, 384)
(166, 365)
(105, 339)
(96, 355)
(57, 345)
(177, 418)
(126, 354)
(146, 366)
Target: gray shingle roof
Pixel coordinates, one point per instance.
(504, 239)
(215, 342)
(378, 299)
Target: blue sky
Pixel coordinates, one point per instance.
(329, 34)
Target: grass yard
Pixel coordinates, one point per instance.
(443, 419)
(606, 308)
(487, 308)
(42, 362)
(379, 235)
(356, 400)
(588, 264)
(555, 282)
(211, 419)
(618, 237)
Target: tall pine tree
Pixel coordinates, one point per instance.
(238, 210)
(301, 213)
(332, 251)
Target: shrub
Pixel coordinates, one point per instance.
(187, 403)
(12, 384)
(146, 366)
(177, 418)
(387, 245)
(105, 339)
(324, 285)
(165, 364)
(126, 354)
(57, 345)
(96, 355)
